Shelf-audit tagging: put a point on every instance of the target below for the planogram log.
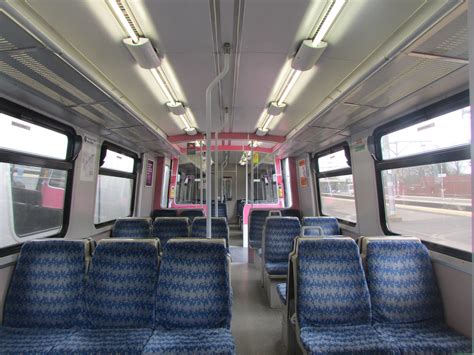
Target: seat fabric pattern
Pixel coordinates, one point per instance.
(131, 228)
(331, 285)
(163, 213)
(346, 339)
(329, 225)
(191, 214)
(104, 341)
(46, 289)
(30, 340)
(193, 288)
(402, 284)
(121, 286)
(279, 234)
(191, 341)
(221, 210)
(219, 228)
(257, 221)
(424, 337)
(281, 290)
(165, 228)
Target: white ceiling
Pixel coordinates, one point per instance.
(265, 35)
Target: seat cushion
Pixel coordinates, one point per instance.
(30, 340)
(355, 339)
(276, 268)
(191, 341)
(281, 290)
(131, 228)
(329, 225)
(426, 337)
(101, 341)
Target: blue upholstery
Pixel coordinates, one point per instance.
(281, 290)
(131, 228)
(30, 340)
(331, 285)
(257, 221)
(219, 228)
(345, 339)
(166, 228)
(279, 234)
(163, 213)
(424, 337)
(193, 288)
(104, 341)
(312, 231)
(402, 284)
(329, 225)
(221, 210)
(191, 341)
(191, 214)
(120, 286)
(47, 287)
(291, 213)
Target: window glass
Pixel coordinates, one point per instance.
(227, 188)
(333, 161)
(30, 207)
(119, 162)
(446, 131)
(113, 198)
(337, 197)
(188, 184)
(432, 202)
(166, 183)
(287, 182)
(265, 181)
(25, 137)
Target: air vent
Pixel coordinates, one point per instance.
(5, 45)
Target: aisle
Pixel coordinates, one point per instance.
(255, 326)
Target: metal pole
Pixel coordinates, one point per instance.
(251, 175)
(201, 178)
(208, 136)
(216, 174)
(246, 182)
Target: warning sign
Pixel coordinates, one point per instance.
(302, 173)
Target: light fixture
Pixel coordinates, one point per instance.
(146, 57)
(254, 144)
(306, 57)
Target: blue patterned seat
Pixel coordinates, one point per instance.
(291, 212)
(39, 310)
(191, 214)
(219, 229)
(281, 289)
(329, 225)
(279, 235)
(406, 300)
(193, 302)
(221, 210)
(256, 223)
(332, 303)
(166, 228)
(131, 228)
(163, 213)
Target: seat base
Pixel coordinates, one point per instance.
(425, 337)
(270, 283)
(191, 341)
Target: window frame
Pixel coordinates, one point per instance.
(332, 173)
(68, 164)
(106, 145)
(445, 155)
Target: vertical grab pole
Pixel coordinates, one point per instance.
(252, 187)
(201, 182)
(208, 135)
(216, 173)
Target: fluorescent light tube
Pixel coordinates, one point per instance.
(328, 20)
(163, 86)
(185, 122)
(294, 75)
(123, 20)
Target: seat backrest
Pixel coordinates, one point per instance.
(131, 228)
(191, 214)
(330, 283)
(193, 287)
(291, 212)
(163, 213)
(221, 210)
(166, 228)
(257, 221)
(46, 289)
(120, 288)
(219, 228)
(402, 283)
(279, 234)
(329, 225)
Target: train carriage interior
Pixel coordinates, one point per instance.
(236, 176)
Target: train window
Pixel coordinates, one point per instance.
(166, 185)
(285, 168)
(188, 180)
(35, 177)
(227, 187)
(335, 184)
(115, 184)
(424, 174)
(264, 179)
